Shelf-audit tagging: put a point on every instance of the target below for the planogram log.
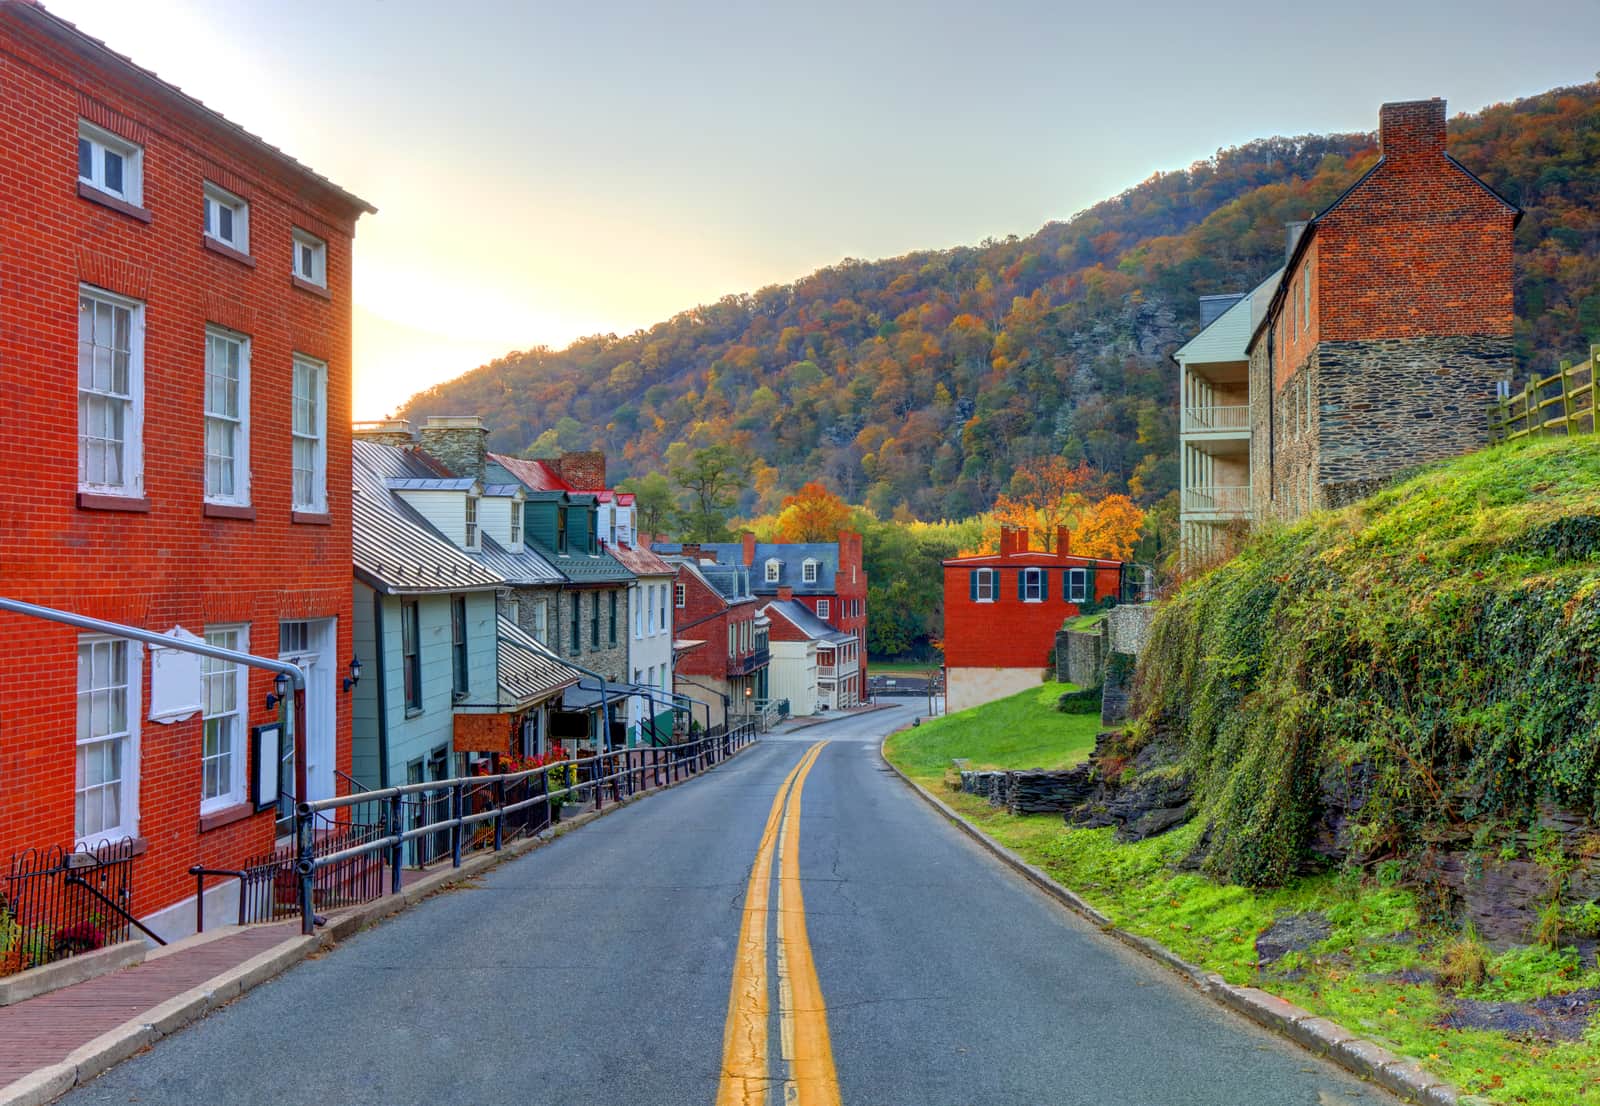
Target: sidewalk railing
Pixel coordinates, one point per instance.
(58, 902)
(481, 812)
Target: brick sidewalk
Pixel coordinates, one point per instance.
(45, 1029)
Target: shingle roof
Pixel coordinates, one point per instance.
(640, 561)
(791, 558)
(528, 673)
(393, 548)
(800, 617)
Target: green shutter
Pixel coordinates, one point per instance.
(972, 584)
(1022, 588)
(1044, 585)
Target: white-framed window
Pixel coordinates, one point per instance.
(1077, 585)
(774, 569)
(985, 585)
(823, 608)
(1032, 585)
(310, 462)
(516, 523)
(113, 165)
(514, 610)
(110, 392)
(661, 600)
(227, 218)
(471, 533)
(310, 258)
(106, 790)
(808, 572)
(227, 416)
(223, 695)
(541, 621)
(680, 595)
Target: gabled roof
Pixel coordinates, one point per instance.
(393, 548)
(1227, 338)
(791, 558)
(77, 40)
(535, 474)
(640, 561)
(525, 569)
(801, 618)
(528, 672)
(432, 484)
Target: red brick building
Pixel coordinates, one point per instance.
(1390, 330)
(177, 342)
(1002, 611)
(714, 607)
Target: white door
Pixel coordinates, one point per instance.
(312, 645)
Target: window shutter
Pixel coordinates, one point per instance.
(1044, 585)
(1022, 586)
(1066, 585)
(972, 584)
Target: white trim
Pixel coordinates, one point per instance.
(808, 571)
(774, 570)
(312, 268)
(1033, 580)
(986, 576)
(101, 142)
(241, 445)
(318, 436)
(1078, 586)
(823, 609)
(128, 782)
(132, 440)
(239, 751)
(218, 200)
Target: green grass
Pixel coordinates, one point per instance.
(1022, 731)
(1084, 621)
(901, 668)
(1376, 924)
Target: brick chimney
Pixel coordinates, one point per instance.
(459, 442)
(395, 432)
(1411, 129)
(749, 541)
(785, 593)
(691, 549)
(1063, 541)
(584, 470)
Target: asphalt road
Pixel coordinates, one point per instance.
(597, 970)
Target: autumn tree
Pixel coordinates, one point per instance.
(1109, 528)
(708, 484)
(653, 503)
(812, 514)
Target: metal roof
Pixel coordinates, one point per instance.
(535, 474)
(803, 619)
(1227, 336)
(640, 561)
(502, 491)
(791, 558)
(526, 568)
(528, 672)
(431, 483)
(393, 548)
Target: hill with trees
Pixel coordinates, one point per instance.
(918, 384)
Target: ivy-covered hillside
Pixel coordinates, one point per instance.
(1420, 669)
(924, 380)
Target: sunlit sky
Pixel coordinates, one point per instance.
(548, 170)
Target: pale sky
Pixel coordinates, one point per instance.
(549, 170)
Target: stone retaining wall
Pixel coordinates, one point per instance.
(1080, 656)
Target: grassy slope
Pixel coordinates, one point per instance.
(1376, 923)
(1022, 731)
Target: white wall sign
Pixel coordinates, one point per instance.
(174, 680)
(268, 752)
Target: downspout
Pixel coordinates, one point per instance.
(383, 689)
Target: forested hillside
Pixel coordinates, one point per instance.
(922, 381)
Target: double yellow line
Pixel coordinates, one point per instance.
(807, 1051)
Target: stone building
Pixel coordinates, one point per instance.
(1390, 331)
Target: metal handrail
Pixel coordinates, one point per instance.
(631, 769)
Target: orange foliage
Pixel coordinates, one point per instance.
(1109, 528)
(812, 514)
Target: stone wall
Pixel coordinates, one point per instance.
(1080, 656)
(1117, 693)
(1127, 626)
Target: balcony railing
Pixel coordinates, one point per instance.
(750, 662)
(1218, 500)
(825, 671)
(1217, 417)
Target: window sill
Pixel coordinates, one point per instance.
(311, 518)
(413, 712)
(104, 501)
(140, 846)
(106, 199)
(227, 816)
(983, 600)
(222, 249)
(229, 510)
(306, 286)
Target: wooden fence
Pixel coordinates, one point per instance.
(1566, 402)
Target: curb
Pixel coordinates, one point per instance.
(95, 1057)
(1333, 1042)
(796, 728)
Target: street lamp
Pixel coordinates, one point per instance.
(281, 683)
(354, 678)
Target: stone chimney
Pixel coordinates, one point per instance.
(459, 442)
(1292, 238)
(1411, 129)
(395, 432)
(785, 593)
(1063, 541)
(748, 539)
(584, 470)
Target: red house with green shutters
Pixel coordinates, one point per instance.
(1002, 611)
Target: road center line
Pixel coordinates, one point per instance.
(746, 1073)
(803, 1015)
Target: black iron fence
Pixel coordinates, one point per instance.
(59, 902)
(428, 821)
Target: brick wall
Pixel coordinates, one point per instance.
(1008, 632)
(170, 564)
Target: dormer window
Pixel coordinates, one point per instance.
(516, 523)
(808, 572)
(561, 530)
(472, 522)
(774, 568)
(594, 536)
